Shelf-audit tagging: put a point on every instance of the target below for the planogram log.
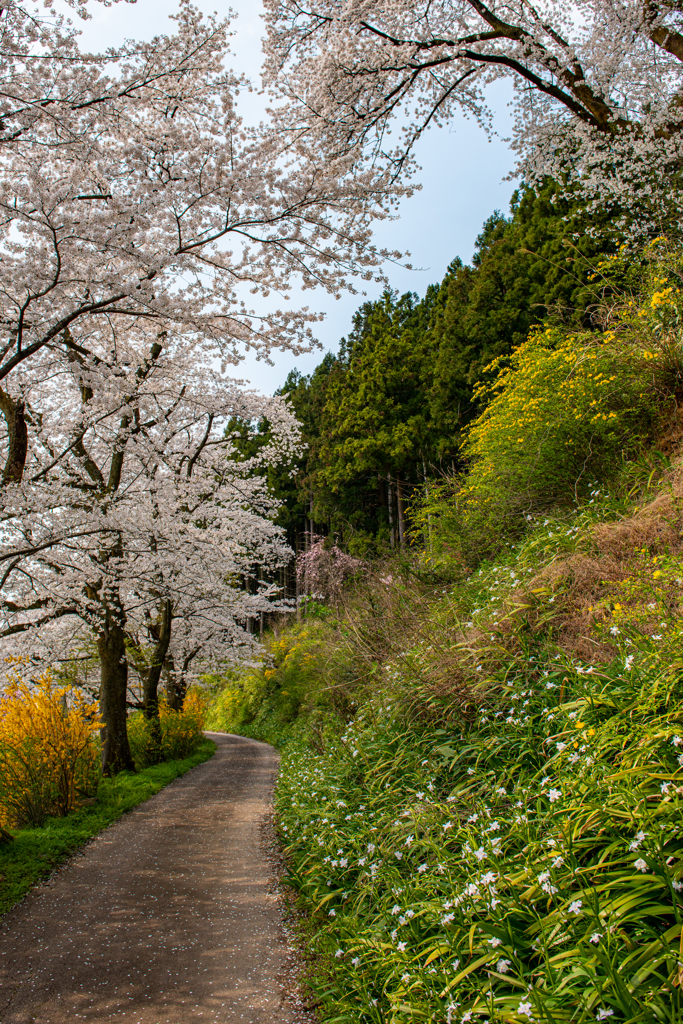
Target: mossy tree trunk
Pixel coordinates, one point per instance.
(116, 755)
(161, 632)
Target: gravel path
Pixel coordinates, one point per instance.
(167, 917)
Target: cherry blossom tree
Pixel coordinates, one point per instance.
(324, 568)
(134, 514)
(138, 213)
(156, 201)
(597, 84)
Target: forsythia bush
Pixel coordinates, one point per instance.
(564, 410)
(181, 731)
(48, 750)
(560, 413)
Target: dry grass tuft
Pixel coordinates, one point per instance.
(581, 581)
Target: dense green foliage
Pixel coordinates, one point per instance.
(386, 413)
(36, 851)
(478, 819)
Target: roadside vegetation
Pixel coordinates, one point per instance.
(53, 796)
(482, 737)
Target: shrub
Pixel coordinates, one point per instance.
(181, 731)
(303, 675)
(564, 410)
(48, 750)
(324, 568)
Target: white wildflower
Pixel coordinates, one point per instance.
(637, 841)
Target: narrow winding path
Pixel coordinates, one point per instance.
(167, 917)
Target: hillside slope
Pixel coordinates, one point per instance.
(480, 794)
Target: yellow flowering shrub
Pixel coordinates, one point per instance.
(560, 414)
(181, 731)
(264, 701)
(567, 408)
(48, 750)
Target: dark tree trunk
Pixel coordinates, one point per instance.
(381, 500)
(401, 511)
(390, 509)
(150, 690)
(175, 687)
(14, 413)
(116, 755)
(297, 585)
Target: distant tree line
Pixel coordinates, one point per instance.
(385, 415)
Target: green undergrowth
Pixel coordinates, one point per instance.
(524, 868)
(36, 851)
(481, 785)
(481, 807)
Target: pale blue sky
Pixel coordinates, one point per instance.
(462, 180)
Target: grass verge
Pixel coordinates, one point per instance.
(36, 851)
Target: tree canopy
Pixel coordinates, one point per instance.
(387, 411)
